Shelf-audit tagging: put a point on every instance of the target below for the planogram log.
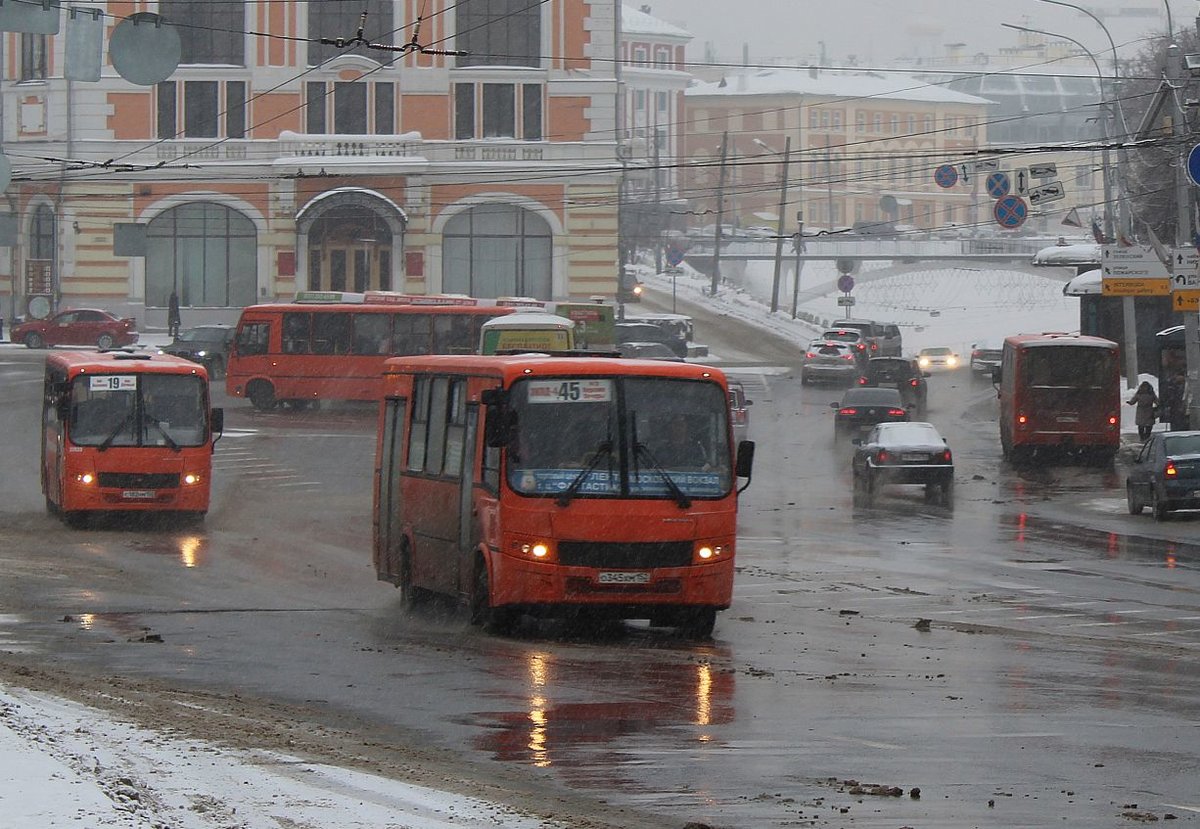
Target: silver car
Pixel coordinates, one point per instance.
(830, 361)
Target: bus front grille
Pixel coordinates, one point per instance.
(139, 480)
(625, 555)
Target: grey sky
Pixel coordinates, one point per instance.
(880, 31)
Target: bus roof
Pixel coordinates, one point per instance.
(374, 308)
(120, 360)
(1055, 338)
(513, 367)
(536, 320)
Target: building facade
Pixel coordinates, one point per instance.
(277, 159)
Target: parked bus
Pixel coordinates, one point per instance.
(528, 331)
(126, 431)
(559, 486)
(302, 352)
(1059, 392)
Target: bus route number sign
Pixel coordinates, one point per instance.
(570, 391)
(112, 382)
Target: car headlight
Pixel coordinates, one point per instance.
(923, 362)
(201, 353)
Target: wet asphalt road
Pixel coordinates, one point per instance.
(1029, 658)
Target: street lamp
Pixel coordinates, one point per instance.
(783, 188)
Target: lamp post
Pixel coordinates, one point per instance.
(716, 274)
(1128, 309)
(783, 188)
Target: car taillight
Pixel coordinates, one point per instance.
(896, 412)
(946, 456)
(847, 411)
(912, 382)
(862, 381)
(874, 346)
(810, 355)
(860, 347)
(1169, 470)
(847, 356)
(882, 456)
(974, 354)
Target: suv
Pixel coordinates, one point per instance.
(883, 338)
(900, 373)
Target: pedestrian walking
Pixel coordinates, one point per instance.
(1147, 409)
(173, 315)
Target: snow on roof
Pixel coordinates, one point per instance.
(634, 21)
(835, 84)
(1086, 283)
(1086, 254)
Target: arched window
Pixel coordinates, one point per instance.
(496, 250)
(41, 233)
(206, 252)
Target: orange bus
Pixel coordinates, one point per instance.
(126, 431)
(302, 352)
(559, 485)
(1059, 392)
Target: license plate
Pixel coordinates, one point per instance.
(1068, 419)
(624, 577)
(139, 494)
(914, 456)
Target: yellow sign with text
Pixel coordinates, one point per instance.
(1134, 286)
(1186, 300)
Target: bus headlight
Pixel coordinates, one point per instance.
(709, 552)
(538, 549)
(191, 479)
(85, 478)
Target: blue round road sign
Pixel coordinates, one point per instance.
(674, 256)
(845, 283)
(1193, 165)
(1010, 211)
(998, 185)
(946, 176)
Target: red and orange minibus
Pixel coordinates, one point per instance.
(126, 431)
(559, 485)
(1059, 394)
(329, 346)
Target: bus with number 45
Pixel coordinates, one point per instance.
(559, 486)
(126, 431)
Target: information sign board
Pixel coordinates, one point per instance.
(1051, 191)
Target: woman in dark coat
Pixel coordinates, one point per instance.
(1147, 404)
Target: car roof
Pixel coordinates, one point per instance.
(881, 397)
(878, 361)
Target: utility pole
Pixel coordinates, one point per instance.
(799, 261)
(1183, 225)
(783, 188)
(716, 274)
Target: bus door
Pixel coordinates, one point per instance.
(52, 432)
(390, 528)
(468, 527)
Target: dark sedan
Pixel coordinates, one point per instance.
(78, 326)
(861, 408)
(903, 453)
(900, 373)
(204, 344)
(1165, 476)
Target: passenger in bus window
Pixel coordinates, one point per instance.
(680, 449)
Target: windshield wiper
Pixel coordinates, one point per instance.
(603, 450)
(641, 450)
(170, 441)
(125, 421)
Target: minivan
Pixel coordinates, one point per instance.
(883, 337)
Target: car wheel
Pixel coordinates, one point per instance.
(104, 342)
(946, 493)
(34, 340)
(1132, 501)
(1158, 506)
(262, 395)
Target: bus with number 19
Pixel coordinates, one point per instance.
(559, 486)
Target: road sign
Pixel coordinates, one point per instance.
(1135, 287)
(1133, 271)
(674, 256)
(946, 176)
(1043, 170)
(990, 165)
(1010, 211)
(1020, 181)
(1185, 300)
(845, 300)
(1185, 269)
(998, 185)
(846, 264)
(1193, 165)
(1052, 191)
(845, 283)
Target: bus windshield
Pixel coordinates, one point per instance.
(642, 437)
(137, 410)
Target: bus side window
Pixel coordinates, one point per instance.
(412, 334)
(253, 338)
(296, 333)
(372, 333)
(331, 334)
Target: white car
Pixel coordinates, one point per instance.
(938, 357)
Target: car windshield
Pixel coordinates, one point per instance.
(936, 352)
(619, 437)
(138, 410)
(843, 336)
(911, 434)
(1182, 444)
(203, 335)
(830, 349)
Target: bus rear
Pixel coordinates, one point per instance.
(126, 432)
(573, 486)
(1060, 393)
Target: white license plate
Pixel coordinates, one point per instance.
(913, 456)
(139, 494)
(623, 577)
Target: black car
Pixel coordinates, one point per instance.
(204, 344)
(1165, 476)
(900, 373)
(648, 332)
(903, 453)
(862, 408)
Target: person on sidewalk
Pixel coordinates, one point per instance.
(173, 315)
(1147, 409)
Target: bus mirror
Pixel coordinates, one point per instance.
(217, 421)
(493, 397)
(745, 461)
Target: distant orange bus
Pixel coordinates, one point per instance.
(126, 431)
(1059, 394)
(555, 485)
(299, 353)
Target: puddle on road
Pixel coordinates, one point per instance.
(1023, 528)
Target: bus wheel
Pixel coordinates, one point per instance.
(262, 395)
(492, 619)
(34, 340)
(51, 507)
(104, 342)
(697, 622)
